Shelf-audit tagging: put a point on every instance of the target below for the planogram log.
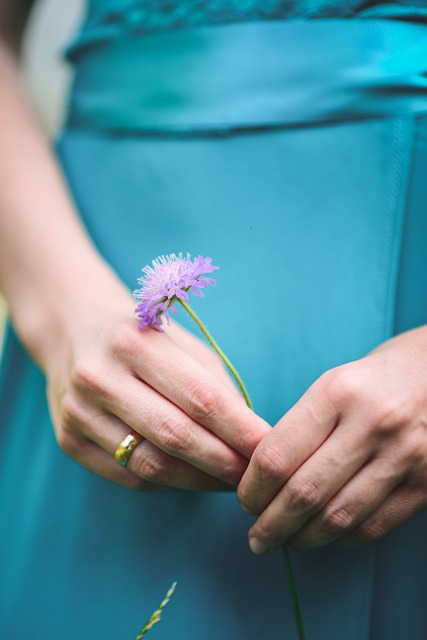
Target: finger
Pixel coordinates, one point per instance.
(164, 478)
(403, 504)
(153, 416)
(88, 454)
(302, 430)
(170, 429)
(203, 354)
(152, 464)
(158, 361)
(148, 467)
(311, 487)
(350, 506)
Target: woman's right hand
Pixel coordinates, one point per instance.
(108, 378)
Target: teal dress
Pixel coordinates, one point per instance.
(288, 141)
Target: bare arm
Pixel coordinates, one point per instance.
(75, 316)
(41, 236)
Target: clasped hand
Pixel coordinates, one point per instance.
(348, 462)
(169, 387)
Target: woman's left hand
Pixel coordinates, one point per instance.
(348, 462)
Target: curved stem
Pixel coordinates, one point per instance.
(219, 351)
(286, 557)
(293, 592)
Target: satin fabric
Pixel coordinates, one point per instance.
(108, 20)
(249, 75)
(320, 231)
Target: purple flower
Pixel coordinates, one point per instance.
(169, 278)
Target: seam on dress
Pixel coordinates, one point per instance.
(397, 186)
(395, 207)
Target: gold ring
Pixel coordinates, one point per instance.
(127, 447)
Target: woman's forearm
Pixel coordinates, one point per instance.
(104, 377)
(49, 270)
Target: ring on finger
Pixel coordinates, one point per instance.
(127, 447)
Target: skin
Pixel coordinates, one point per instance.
(76, 319)
(348, 463)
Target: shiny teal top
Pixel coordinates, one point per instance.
(108, 20)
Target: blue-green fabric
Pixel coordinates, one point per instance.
(109, 20)
(233, 77)
(320, 230)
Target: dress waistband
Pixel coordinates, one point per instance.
(252, 75)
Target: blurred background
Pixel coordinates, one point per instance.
(51, 26)
(46, 74)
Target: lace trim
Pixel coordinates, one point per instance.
(139, 17)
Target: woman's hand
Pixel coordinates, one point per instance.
(348, 462)
(105, 377)
(108, 378)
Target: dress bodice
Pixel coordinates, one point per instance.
(110, 19)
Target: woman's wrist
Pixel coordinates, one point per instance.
(70, 302)
(50, 272)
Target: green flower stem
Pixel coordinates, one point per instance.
(293, 591)
(286, 557)
(219, 351)
(155, 617)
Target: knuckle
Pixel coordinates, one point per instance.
(76, 416)
(341, 384)
(175, 436)
(153, 469)
(122, 337)
(391, 414)
(203, 402)
(246, 498)
(371, 531)
(338, 520)
(68, 444)
(249, 432)
(270, 462)
(232, 471)
(71, 412)
(304, 496)
(268, 533)
(413, 453)
(88, 377)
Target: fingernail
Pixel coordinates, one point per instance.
(258, 547)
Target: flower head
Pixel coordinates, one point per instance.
(169, 278)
